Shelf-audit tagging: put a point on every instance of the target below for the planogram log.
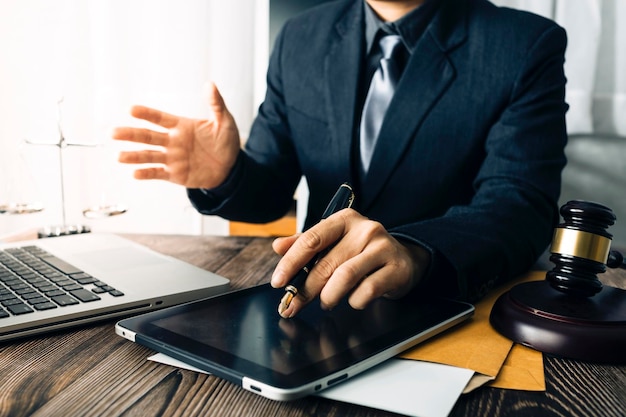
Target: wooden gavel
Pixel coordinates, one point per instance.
(570, 313)
(581, 249)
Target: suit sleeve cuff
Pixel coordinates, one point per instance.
(440, 278)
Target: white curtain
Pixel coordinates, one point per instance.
(595, 60)
(99, 57)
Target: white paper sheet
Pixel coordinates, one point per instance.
(412, 388)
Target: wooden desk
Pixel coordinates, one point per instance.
(92, 372)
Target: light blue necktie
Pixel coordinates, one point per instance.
(381, 91)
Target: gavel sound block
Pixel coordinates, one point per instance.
(570, 313)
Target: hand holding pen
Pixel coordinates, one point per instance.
(343, 198)
(346, 255)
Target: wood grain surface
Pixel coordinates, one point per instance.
(90, 371)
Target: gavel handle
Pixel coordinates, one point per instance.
(616, 260)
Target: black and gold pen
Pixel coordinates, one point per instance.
(343, 198)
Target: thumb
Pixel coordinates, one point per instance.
(216, 102)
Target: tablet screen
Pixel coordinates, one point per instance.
(242, 333)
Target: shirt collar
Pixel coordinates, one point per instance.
(410, 26)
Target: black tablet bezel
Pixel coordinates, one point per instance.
(433, 314)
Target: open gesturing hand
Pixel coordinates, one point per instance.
(194, 153)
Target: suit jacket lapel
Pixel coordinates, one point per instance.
(428, 74)
(342, 67)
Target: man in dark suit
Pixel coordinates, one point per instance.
(461, 189)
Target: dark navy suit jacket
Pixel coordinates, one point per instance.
(469, 157)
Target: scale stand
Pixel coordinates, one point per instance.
(570, 314)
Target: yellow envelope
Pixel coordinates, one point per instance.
(522, 370)
(477, 346)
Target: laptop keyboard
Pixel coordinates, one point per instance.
(32, 279)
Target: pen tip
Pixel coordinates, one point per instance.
(285, 302)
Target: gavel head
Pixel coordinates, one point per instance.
(580, 248)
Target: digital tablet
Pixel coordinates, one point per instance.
(240, 337)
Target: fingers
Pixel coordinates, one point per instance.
(145, 136)
(299, 250)
(375, 285)
(152, 174)
(146, 157)
(166, 120)
(351, 276)
(282, 244)
(304, 248)
(142, 157)
(155, 116)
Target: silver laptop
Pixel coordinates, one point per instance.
(54, 283)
